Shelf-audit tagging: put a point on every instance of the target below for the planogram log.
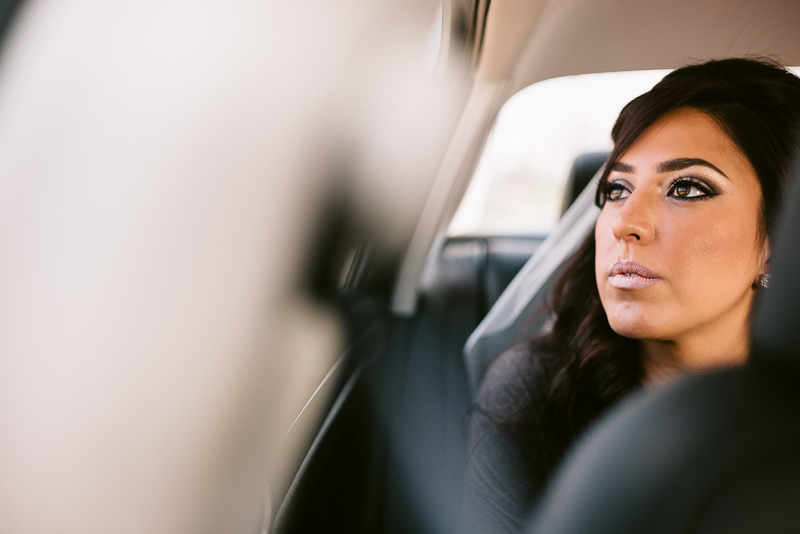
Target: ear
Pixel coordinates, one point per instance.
(764, 257)
(763, 264)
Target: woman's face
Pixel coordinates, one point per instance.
(678, 246)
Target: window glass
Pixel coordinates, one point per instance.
(518, 185)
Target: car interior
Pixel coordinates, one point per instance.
(477, 294)
(345, 375)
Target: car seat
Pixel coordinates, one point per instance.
(514, 314)
(712, 453)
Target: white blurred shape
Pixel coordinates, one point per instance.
(433, 44)
(158, 191)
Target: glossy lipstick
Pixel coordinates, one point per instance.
(628, 274)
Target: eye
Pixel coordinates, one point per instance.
(616, 191)
(689, 188)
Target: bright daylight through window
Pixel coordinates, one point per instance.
(518, 185)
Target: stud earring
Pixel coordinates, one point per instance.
(764, 280)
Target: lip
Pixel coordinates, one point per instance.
(628, 274)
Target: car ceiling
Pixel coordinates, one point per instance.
(584, 36)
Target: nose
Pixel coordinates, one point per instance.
(634, 222)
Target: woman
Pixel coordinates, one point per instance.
(664, 286)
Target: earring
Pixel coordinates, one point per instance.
(764, 280)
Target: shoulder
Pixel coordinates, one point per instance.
(508, 444)
(516, 379)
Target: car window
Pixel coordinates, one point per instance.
(518, 184)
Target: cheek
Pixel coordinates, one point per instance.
(606, 253)
(711, 256)
(695, 249)
(605, 242)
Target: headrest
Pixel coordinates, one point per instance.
(776, 328)
(583, 170)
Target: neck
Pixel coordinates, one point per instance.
(716, 347)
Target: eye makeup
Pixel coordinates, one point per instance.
(682, 188)
(615, 190)
(691, 188)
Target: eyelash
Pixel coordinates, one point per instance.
(705, 189)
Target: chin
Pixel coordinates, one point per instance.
(634, 331)
(636, 325)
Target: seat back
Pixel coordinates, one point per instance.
(776, 336)
(513, 315)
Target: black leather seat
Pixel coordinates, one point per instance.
(583, 170)
(713, 453)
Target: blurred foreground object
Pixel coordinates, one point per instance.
(163, 172)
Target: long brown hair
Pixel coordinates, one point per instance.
(756, 102)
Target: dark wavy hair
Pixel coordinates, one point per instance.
(756, 102)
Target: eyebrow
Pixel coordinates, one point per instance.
(671, 165)
(683, 163)
(622, 167)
